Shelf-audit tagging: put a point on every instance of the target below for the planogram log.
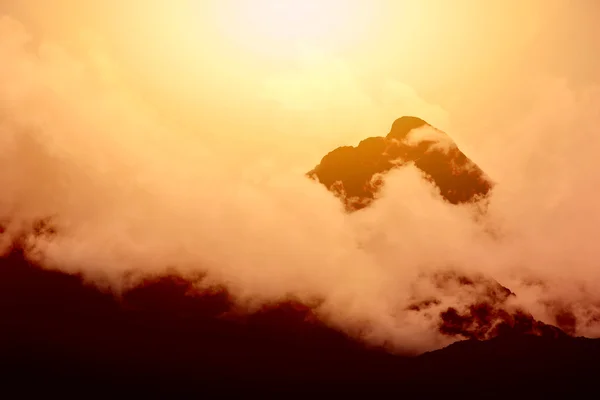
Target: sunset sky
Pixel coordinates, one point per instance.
(161, 132)
(205, 60)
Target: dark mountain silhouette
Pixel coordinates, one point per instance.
(165, 338)
(355, 173)
(58, 332)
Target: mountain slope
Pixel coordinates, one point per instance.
(159, 339)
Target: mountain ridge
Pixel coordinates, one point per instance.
(56, 329)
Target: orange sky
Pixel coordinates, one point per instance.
(174, 132)
(451, 53)
(205, 62)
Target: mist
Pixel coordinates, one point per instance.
(130, 191)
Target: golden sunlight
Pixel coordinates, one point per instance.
(274, 194)
(273, 26)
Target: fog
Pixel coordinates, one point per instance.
(129, 189)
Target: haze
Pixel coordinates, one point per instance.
(176, 135)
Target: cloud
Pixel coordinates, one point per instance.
(128, 190)
(440, 140)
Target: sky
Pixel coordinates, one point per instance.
(178, 133)
(464, 56)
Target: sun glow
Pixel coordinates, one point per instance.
(274, 26)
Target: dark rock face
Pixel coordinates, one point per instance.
(354, 173)
(488, 314)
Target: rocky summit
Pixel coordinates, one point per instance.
(355, 174)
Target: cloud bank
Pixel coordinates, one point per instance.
(129, 191)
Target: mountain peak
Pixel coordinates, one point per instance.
(403, 125)
(353, 173)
